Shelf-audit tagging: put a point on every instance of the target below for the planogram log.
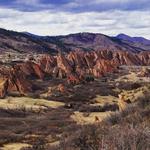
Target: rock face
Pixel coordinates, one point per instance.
(3, 87)
(77, 64)
(14, 81)
(18, 82)
(30, 70)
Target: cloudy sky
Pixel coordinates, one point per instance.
(55, 17)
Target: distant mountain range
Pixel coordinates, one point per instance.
(24, 42)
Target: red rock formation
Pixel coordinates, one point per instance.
(38, 71)
(102, 67)
(77, 64)
(144, 58)
(14, 81)
(31, 69)
(17, 82)
(47, 63)
(63, 64)
(74, 66)
(72, 79)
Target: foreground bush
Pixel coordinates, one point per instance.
(126, 130)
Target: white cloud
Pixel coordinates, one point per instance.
(135, 23)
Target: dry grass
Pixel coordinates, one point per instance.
(28, 103)
(89, 118)
(17, 125)
(15, 146)
(133, 77)
(102, 100)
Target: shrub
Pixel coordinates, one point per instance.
(114, 118)
(126, 130)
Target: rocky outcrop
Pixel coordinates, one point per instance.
(48, 63)
(13, 81)
(3, 87)
(77, 64)
(125, 57)
(18, 82)
(30, 70)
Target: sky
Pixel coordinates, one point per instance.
(60, 17)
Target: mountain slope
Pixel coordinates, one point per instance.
(137, 42)
(11, 41)
(25, 42)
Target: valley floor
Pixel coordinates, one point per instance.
(53, 120)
